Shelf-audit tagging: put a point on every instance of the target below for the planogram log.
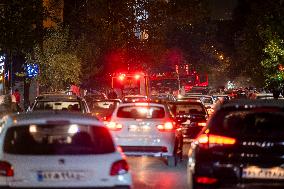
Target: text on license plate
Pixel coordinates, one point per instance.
(60, 175)
(263, 173)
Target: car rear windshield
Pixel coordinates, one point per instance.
(248, 123)
(141, 112)
(187, 109)
(60, 105)
(58, 140)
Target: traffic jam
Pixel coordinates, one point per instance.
(145, 133)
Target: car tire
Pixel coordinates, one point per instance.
(172, 160)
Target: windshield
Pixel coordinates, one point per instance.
(249, 123)
(141, 112)
(70, 139)
(60, 105)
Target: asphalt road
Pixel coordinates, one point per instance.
(153, 173)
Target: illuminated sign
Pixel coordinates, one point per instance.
(2, 64)
(32, 70)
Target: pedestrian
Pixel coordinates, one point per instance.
(17, 96)
(16, 100)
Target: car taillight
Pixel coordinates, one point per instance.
(202, 124)
(6, 169)
(206, 180)
(114, 126)
(213, 140)
(119, 167)
(168, 126)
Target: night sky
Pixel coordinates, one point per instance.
(222, 9)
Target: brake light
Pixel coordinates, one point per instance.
(114, 126)
(119, 167)
(206, 180)
(6, 169)
(168, 126)
(215, 140)
(202, 124)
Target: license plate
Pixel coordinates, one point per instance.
(254, 172)
(140, 128)
(60, 175)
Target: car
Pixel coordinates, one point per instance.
(59, 102)
(162, 97)
(191, 116)
(60, 150)
(221, 97)
(103, 109)
(134, 98)
(207, 100)
(95, 96)
(147, 129)
(242, 145)
(267, 96)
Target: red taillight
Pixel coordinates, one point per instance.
(114, 126)
(215, 140)
(6, 169)
(118, 168)
(168, 126)
(206, 180)
(202, 124)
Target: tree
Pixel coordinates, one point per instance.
(274, 60)
(59, 65)
(251, 23)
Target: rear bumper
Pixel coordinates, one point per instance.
(157, 151)
(230, 176)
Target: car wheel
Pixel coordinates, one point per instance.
(172, 160)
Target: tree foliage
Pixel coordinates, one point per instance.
(21, 25)
(59, 65)
(252, 21)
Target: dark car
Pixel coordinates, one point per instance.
(191, 116)
(243, 146)
(103, 109)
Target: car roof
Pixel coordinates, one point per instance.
(186, 102)
(142, 103)
(55, 97)
(42, 117)
(248, 104)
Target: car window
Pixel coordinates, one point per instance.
(105, 105)
(60, 105)
(58, 140)
(206, 100)
(242, 123)
(141, 112)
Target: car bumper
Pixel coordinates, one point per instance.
(230, 176)
(156, 151)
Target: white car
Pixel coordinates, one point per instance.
(146, 129)
(59, 149)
